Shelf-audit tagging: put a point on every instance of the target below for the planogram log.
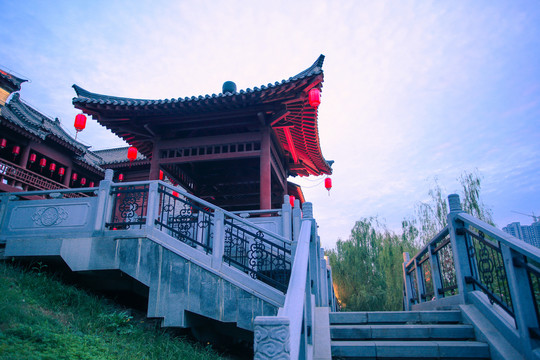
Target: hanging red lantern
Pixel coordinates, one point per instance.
(32, 158)
(61, 171)
(16, 150)
(121, 177)
(291, 200)
(80, 123)
(328, 184)
(91, 184)
(83, 181)
(3, 143)
(52, 167)
(132, 154)
(74, 177)
(175, 193)
(160, 175)
(43, 162)
(314, 97)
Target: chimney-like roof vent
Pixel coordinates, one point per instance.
(229, 87)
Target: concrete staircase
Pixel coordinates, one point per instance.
(404, 335)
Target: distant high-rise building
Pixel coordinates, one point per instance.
(527, 233)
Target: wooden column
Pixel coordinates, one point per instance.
(24, 156)
(154, 163)
(67, 176)
(265, 170)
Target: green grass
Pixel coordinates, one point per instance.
(42, 318)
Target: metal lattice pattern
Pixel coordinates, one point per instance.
(264, 259)
(185, 220)
(414, 286)
(129, 207)
(533, 272)
(427, 280)
(488, 271)
(447, 269)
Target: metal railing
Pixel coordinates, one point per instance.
(261, 254)
(470, 255)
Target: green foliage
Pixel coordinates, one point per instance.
(41, 318)
(430, 216)
(366, 268)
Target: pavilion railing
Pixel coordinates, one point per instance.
(17, 173)
(235, 241)
(470, 255)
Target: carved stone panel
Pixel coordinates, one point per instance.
(49, 217)
(271, 338)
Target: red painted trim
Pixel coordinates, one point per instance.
(290, 143)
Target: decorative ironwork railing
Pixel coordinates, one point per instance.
(487, 268)
(470, 255)
(130, 204)
(15, 172)
(185, 219)
(261, 254)
(436, 273)
(257, 254)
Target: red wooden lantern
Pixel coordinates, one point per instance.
(3, 143)
(175, 193)
(83, 181)
(74, 177)
(16, 150)
(291, 200)
(80, 123)
(61, 171)
(32, 158)
(52, 167)
(314, 97)
(91, 184)
(121, 177)
(328, 184)
(132, 154)
(160, 174)
(43, 162)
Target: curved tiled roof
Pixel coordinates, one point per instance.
(12, 82)
(116, 155)
(87, 97)
(31, 122)
(289, 95)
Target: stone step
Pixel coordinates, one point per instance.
(410, 350)
(396, 317)
(402, 332)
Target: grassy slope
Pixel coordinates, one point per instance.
(42, 318)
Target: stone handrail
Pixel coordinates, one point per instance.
(281, 336)
(493, 270)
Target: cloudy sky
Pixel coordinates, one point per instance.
(414, 90)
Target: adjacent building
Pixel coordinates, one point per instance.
(527, 233)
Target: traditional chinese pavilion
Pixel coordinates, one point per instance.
(235, 149)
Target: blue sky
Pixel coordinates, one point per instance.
(413, 89)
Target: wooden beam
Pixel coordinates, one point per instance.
(278, 116)
(290, 143)
(211, 157)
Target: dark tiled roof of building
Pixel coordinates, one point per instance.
(116, 155)
(28, 120)
(84, 96)
(10, 81)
